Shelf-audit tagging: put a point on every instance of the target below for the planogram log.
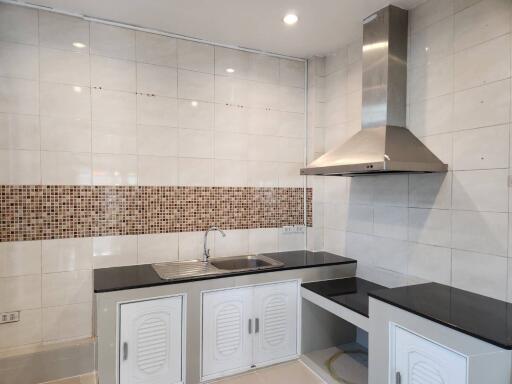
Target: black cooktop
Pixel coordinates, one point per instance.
(351, 292)
(479, 316)
(141, 276)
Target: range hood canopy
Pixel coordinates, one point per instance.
(384, 145)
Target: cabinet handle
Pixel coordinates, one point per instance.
(398, 378)
(257, 325)
(250, 326)
(125, 351)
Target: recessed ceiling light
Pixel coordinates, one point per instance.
(230, 70)
(77, 89)
(290, 19)
(193, 103)
(78, 44)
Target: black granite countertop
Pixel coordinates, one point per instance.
(479, 316)
(141, 276)
(351, 292)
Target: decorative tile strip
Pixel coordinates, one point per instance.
(36, 212)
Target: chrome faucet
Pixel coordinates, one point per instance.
(206, 253)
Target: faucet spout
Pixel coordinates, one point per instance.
(206, 252)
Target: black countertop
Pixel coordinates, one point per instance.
(351, 292)
(141, 276)
(479, 316)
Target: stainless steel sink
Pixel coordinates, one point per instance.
(216, 266)
(242, 263)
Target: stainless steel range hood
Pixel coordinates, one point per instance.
(384, 145)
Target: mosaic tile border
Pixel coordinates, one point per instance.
(42, 212)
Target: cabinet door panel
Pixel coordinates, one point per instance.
(151, 342)
(420, 361)
(276, 317)
(227, 344)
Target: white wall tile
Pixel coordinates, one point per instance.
(157, 110)
(262, 174)
(432, 80)
(263, 240)
(114, 251)
(195, 56)
(481, 22)
(390, 222)
(195, 172)
(432, 116)
(114, 107)
(19, 96)
(231, 90)
(435, 41)
(59, 66)
(113, 74)
(430, 263)
(19, 132)
(66, 168)
(391, 190)
(157, 248)
(157, 79)
(391, 254)
(65, 100)
(482, 64)
(334, 241)
(67, 322)
(195, 143)
(361, 247)
(196, 114)
(62, 133)
(480, 273)
(195, 86)
(291, 99)
(291, 242)
(111, 41)
(289, 175)
(230, 145)
(26, 331)
(485, 190)
(20, 258)
(482, 106)
(20, 167)
(235, 243)
(63, 288)
(157, 140)
(430, 190)
(335, 215)
(429, 12)
(291, 73)
(19, 60)
(441, 146)
(482, 148)
(429, 226)
(114, 169)
(114, 138)
(231, 58)
(361, 190)
(61, 255)
(191, 245)
(157, 170)
(360, 218)
(484, 232)
(61, 31)
(263, 68)
(20, 292)
(265, 148)
(229, 173)
(18, 24)
(156, 49)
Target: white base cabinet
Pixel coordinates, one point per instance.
(151, 341)
(249, 326)
(421, 361)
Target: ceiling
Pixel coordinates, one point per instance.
(324, 25)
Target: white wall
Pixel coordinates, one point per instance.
(452, 228)
(131, 108)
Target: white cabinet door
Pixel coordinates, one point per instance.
(227, 343)
(151, 342)
(420, 361)
(275, 311)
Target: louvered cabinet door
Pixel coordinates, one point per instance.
(151, 342)
(227, 343)
(275, 321)
(421, 361)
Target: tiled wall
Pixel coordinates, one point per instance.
(452, 228)
(92, 105)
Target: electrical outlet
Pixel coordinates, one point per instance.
(9, 317)
(293, 229)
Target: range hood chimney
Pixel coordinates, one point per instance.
(384, 145)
